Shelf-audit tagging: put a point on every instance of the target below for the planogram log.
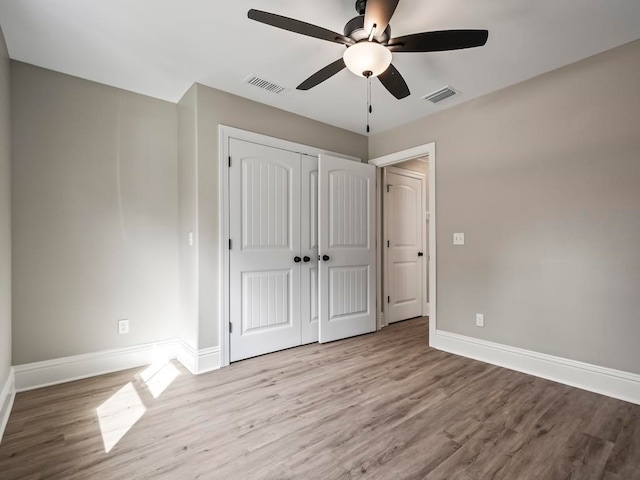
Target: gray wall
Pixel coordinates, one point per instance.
(5, 218)
(544, 179)
(188, 177)
(95, 216)
(214, 107)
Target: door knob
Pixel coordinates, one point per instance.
(420, 254)
(306, 259)
(326, 258)
(297, 259)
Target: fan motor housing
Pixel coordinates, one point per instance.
(354, 29)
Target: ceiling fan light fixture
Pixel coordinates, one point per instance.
(367, 58)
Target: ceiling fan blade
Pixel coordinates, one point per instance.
(439, 41)
(322, 75)
(297, 26)
(393, 81)
(379, 12)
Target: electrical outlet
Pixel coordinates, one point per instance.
(479, 320)
(191, 239)
(458, 238)
(123, 326)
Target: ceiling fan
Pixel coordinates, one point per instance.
(369, 43)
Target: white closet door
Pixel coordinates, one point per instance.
(265, 281)
(347, 248)
(309, 251)
(404, 208)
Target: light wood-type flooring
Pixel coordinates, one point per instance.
(381, 406)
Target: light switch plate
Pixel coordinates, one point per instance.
(458, 238)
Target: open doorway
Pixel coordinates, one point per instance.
(406, 235)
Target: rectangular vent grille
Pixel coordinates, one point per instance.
(442, 94)
(265, 84)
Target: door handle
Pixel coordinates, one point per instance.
(306, 259)
(297, 259)
(420, 254)
(326, 258)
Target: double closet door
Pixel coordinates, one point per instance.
(302, 258)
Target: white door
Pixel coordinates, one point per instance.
(347, 274)
(265, 280)
(309, 249)
(403, 214)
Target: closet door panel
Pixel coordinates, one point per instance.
(347, 248)
(265, 281)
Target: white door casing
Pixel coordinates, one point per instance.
(347, 270)
(427, 150)
(265, 281)
(404, 208)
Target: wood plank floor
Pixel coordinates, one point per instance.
(380, 406)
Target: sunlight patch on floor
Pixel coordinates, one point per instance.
(119, 414)
(124, 408)
(161, 379)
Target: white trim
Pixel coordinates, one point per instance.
(381, 254)
(187, 356)
(198, 361)
(208, 359)
(7, 396)
(380, 301)
(67, 369)
(428, 149)
(606, 381)
(224, 134)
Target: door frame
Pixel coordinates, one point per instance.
(225, 133)
(426, 150)
(424, 306)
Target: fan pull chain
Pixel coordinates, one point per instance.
(369, 107)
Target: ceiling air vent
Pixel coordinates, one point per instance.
(442, 94)
(265, 84)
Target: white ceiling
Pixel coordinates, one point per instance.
(161, 47)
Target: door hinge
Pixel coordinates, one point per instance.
(229, 244)
(388, 244)
(389, 187)
(229, 160)
(230, 327)
(388, 299)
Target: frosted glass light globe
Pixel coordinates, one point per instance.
(367, 57)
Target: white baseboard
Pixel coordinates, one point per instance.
(198, 361)
(60, 370)
(208, 359)
(67, 369)
(606, 381)
(7, 395)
